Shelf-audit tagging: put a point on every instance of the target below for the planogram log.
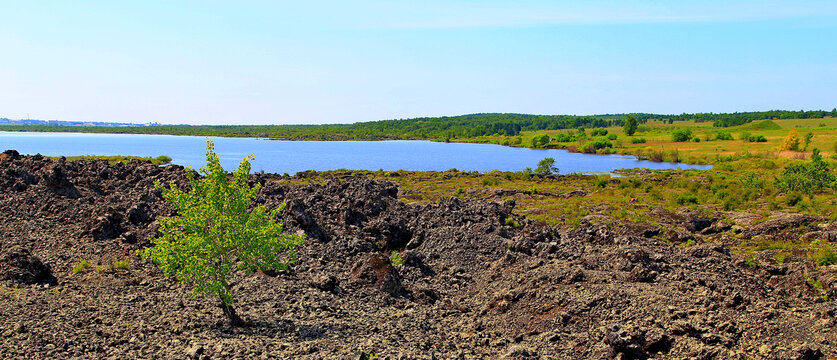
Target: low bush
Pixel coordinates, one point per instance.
(490, 181)
(601, 144)
(540, 140)
(811, 177)
(81, 265)
(162, 159)
(638, 140)
(825, 256)
(598, 132)
(723, 135)
(793, 198)
(685, 199)
(681, 135)
(121, 265)
(396, 259)
(564, 138)
(511, 222)
(781, 256)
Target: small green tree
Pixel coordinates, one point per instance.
(214, 234)
(631, 125)
(681, 135)
(810, 177)
(546, 167)
(540, 140)
(807, 142)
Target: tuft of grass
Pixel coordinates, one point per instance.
(824, 256)
(162, 159)
(490, 181)
(752, 261)
(781, 256)
(121, 265)
(511, 222)
(81, 265)
(817, 285)
(684, 199)
(396, 259)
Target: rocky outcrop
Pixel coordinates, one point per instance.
(464, 284)
(18, 266)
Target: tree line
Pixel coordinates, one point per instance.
(435, 128)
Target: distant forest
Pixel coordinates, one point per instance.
(437, 128)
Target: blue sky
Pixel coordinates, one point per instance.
(283, 62)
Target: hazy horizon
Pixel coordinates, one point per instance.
(334, 62)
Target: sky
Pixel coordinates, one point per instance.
(314, 62)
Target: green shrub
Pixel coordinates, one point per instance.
(214, 234)
(490, 181)
(811, 177)
(681, 135)
(598, 132)
(781, 256)
(696, 139)
(825, 256)
(564, 138)
(511, 222)
(752, 261)
(807, 141)
(684, 199)
(601, 144)
(612, 137)
(723, 135)
(396, 259)
(540, 140)
(121, 265)
(638, 140)
(162, 159)
(81, 265)
(757, 138)
(793, 198)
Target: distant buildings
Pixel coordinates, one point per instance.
(68, 123)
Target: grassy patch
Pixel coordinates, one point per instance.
(160, 160)
(824, 256)
(396, 259)
(81, 266)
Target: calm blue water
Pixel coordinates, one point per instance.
(294, 156)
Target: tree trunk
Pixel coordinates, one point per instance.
(235, 320)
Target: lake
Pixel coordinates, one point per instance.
(294, 156)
